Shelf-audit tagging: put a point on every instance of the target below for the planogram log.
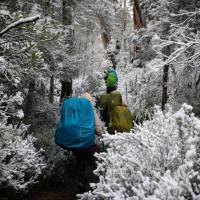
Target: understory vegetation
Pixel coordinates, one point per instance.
(158, 160)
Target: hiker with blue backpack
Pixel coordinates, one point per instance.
(113, 111)
(76, 132)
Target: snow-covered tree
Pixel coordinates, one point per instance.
(20, 162)
(168, 56)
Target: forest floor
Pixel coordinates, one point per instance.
(56, 192)
(61, 193)
(51, 189)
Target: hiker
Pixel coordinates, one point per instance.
(111, 79)
(99, 128)
(76, 132)
(86, 162)
(113, 111)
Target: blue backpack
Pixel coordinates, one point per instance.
(76, 129)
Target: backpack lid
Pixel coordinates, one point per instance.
(113, 72)
(115, 99)
(111, 80)
(76, 128)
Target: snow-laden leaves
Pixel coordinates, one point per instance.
(20, 162)
(159, 160)
(171, 38)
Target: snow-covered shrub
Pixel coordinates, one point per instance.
(20, 162)
(159, 160)
(90, 83)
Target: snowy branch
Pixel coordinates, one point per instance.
(187, 13)
(19, 22)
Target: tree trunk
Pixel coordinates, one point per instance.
(198, 81)
(66, 12)
(29, 102)
(166, 53)
(125, 44)
(66, 89)
(165, 88)
(67, 20)
(105, 40)
(137, 16)
(124, 4)
(138, 23)
(51, 90)
(121, 3)
(124, 24)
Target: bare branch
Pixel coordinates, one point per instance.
(198, 81)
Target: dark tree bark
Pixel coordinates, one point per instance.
(165, 88)
(51, 90)
(105, 40)
(198, 81)
(138, 23)
(124, 24)
(166, 53)
(66, 89)
(137, 16)
(67, 20)
(67, 12)
(28, 108)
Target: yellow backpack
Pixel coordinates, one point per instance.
(120, 118)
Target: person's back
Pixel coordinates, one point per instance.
(116, 116)
(76, 128)
(103, 107)
(106, 102)
(111, 79)
(75, 132)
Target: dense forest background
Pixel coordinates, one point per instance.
(156, 48)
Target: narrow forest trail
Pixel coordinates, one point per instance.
(53, 189)
(62, 193)
(59, 192)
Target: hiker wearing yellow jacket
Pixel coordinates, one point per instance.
(113, 111)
